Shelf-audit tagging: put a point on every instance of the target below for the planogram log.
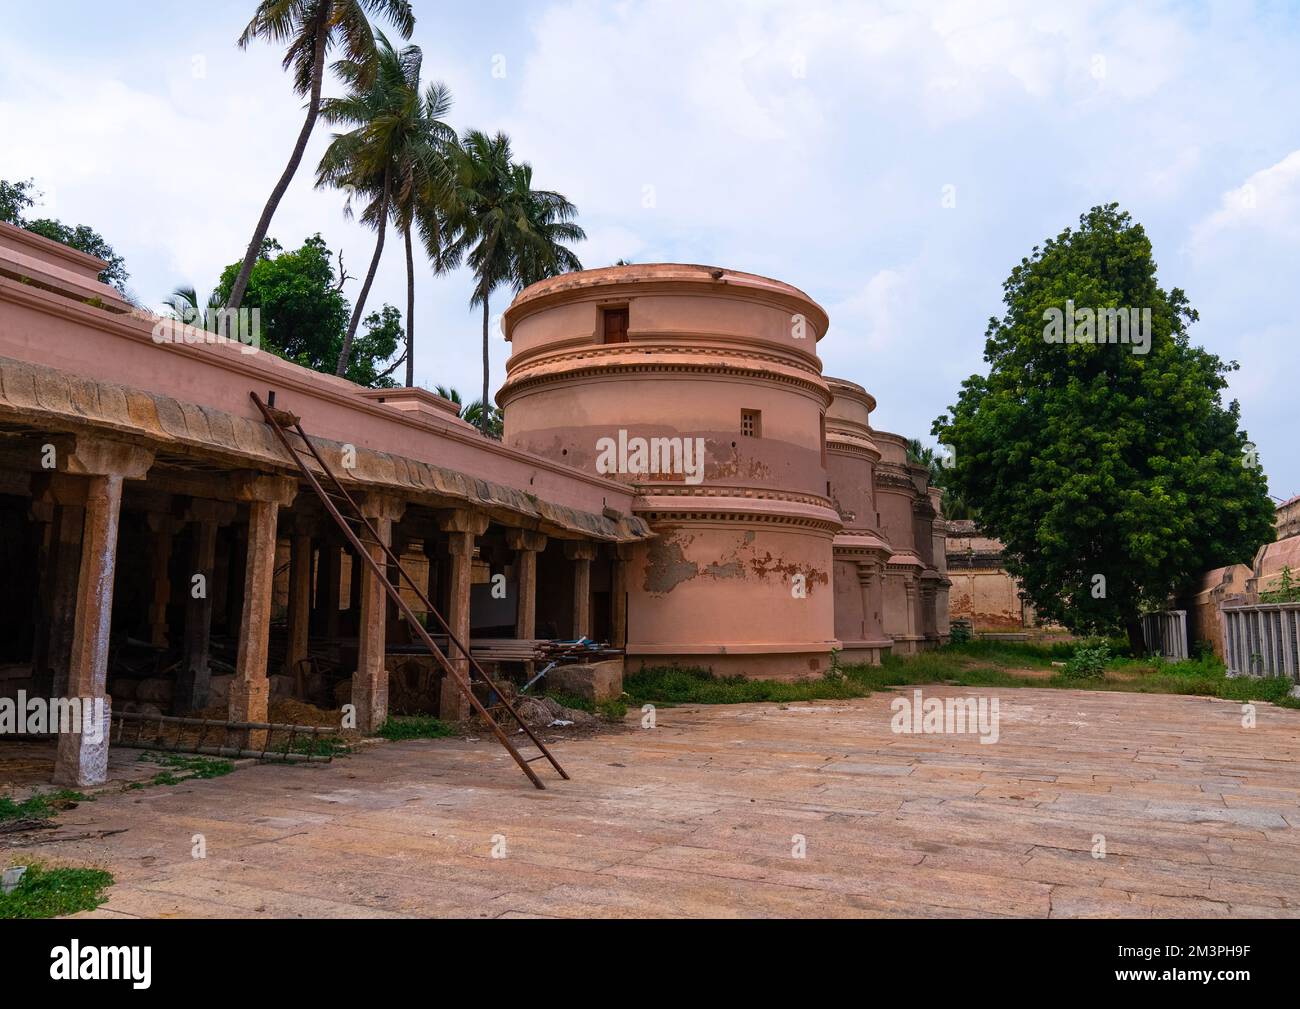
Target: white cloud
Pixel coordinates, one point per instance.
(1268, 203)
(873, 317)
(804, 140)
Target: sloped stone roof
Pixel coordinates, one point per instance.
(47, 399)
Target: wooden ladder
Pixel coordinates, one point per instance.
(344, 510)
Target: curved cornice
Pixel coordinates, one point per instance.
(853, 544)
(741, 518)
(889, 478)
(844, 443)
(726, 492)
(537, 375)
(682, 278)
(842, 388)
(660, 508)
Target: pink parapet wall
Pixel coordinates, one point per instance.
(59, 316)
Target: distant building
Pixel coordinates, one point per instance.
(982, 591)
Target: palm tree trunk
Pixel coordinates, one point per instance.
(410, 310)
(483, 415)
(346, 353)
(264, 222)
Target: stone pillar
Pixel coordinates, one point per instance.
(194, 674)
(299, 600)
(43, 515)
(162, 527)
(871, 585)
(237, 558)
(461, 527)
(355, 566)
(582, 554)
(328, 571)
(66, 496)
(526, 544)
(370, 681)
(82, 756)
(618, 592)
(430, 547)
(250, 689)
(910, 590)
(929, 626)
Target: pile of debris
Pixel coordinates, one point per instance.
(540, 712)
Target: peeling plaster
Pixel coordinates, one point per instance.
(666, 564)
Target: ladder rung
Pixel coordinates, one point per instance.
(346, 514)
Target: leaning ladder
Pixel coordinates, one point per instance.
(343, 508)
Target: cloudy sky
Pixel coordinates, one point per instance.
(813, 141)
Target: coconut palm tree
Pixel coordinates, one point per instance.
(384, 157)
(420, 198)
(451, 394)
(473, 413)
(488, 421)
(503, 229)
(955, 505)
(311, 28)
(185, 305)
(542, 252)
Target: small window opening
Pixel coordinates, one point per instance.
(614, 321)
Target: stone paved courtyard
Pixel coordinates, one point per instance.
(698, 817)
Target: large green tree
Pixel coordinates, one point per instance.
(304, 314)
(1111, 476)
(16, 198)
(311, 28)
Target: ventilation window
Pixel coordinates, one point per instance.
(751, 423)
(614, 324)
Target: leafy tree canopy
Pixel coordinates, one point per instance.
(954, 505)
(16, 198)
(493, 425)
(304, 314)
(1088, 459)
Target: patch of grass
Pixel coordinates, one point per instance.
(612, 711)
(1205, 676)
(317, 746)
(678, 685)
(971, 664)
(398, 727)
(198, 766)
(48, 893)
(40, 806)
(575, 701)
(939, 666)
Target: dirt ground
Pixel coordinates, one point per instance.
(1089, 804)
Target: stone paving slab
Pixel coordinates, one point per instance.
(705, 815)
